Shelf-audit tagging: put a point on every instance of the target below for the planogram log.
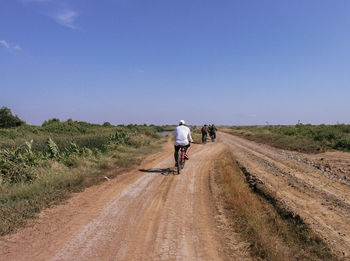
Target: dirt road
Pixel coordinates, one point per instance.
(140, 215)
(321, 199)
(154, 215)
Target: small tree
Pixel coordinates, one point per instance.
(8, 120)
(107, 124)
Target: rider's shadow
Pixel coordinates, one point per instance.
(164, 172)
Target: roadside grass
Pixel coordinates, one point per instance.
(56, 181)
(196, 135)
(305, 138)
(63, 133)
(272, 234)
(38, 174)
(84, 134)
(21, 202)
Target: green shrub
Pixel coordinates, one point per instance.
(68, 127)
(122, 135)
(17, 164)
(8, 120)
(52, 149)
(71, 161)
(343, 144)
(106, 124)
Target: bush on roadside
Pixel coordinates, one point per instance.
(343, 144)
(17, 164)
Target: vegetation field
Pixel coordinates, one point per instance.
(301, 137)
(41, 165)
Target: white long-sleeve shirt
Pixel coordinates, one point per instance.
(182, 135)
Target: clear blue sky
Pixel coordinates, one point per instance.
(159, 61)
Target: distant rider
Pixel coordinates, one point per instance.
(204, 133)
(182, 139)
(212, 132)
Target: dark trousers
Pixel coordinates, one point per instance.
(213, 135)
(177, 148)
(204, 137)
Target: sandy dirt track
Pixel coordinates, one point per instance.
(322, 200)
(137, 216)
(154, 216)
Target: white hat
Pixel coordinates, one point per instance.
(182, 122)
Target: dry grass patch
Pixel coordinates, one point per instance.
(197, 135)
(272, 236)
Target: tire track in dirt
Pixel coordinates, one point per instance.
(322, 203)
